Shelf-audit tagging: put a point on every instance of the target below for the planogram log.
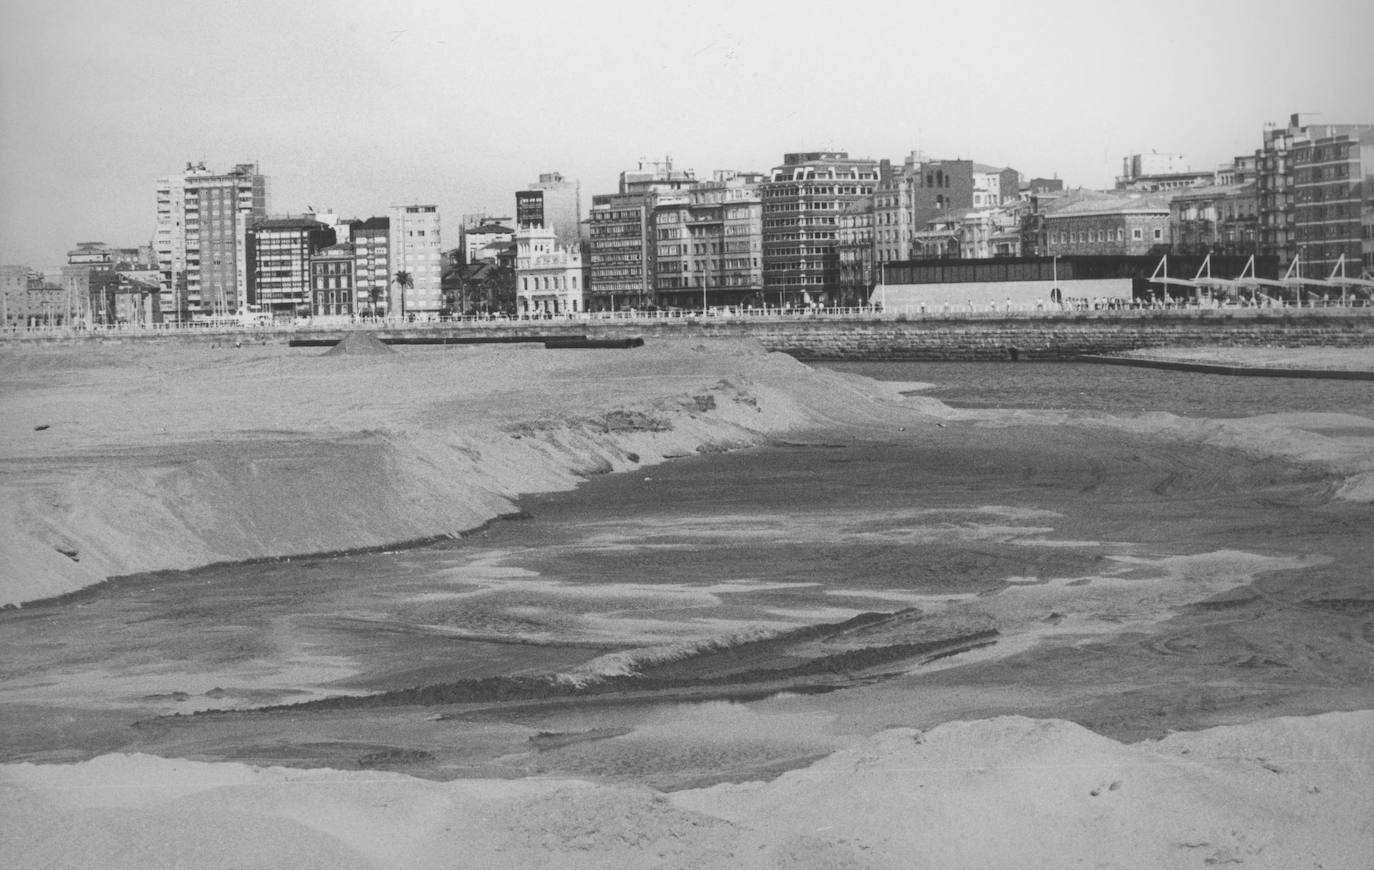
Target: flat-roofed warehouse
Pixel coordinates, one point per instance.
(1026, 283)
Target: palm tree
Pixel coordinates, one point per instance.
(405, 282)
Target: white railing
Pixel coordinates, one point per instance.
(943, 311)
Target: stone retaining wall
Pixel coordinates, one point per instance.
(919, 337)
(933, 339)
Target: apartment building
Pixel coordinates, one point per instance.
(708, 242)
(802, 204)
(553, 202)
(621, 257)
(372, 265)
(279, 253)
(415, 247)
(200, 241)
(1333, 196)
(333, 272)
(1216, 218)
(854, 244)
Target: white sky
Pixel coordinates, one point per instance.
(356, 105)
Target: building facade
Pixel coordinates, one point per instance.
(1324, 217)
(1104, 225)
(333, 291)
(1155, 172)
(1219, 219)
(488, 243)
(200, 241)
(621, 256)
(994, 185)
(416, 249)
(279, 252)
(802, 204)
(855, 247)
(1333, 196)
(708, 242)
(372, 265)
(549, 277)
(553, 202)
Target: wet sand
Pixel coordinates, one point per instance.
(1128, 583)
(1133, 572)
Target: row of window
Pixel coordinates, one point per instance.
(1094, 236)
(555, 282)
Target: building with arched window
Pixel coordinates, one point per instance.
(332, 289)
(549, 278)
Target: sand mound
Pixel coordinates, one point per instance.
(1006, 792)
(359, 344)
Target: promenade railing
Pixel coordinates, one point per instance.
(943, 311)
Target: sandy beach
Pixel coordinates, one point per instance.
(126, 459)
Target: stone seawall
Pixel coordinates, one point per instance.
(900, 338)
(937, 339)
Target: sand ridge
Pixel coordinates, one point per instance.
(1005, 792)
(264, 452)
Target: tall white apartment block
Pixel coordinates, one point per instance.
(416, 249)
(203, 217)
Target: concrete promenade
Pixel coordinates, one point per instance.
(832, 335)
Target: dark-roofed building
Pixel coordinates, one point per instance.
(485, 243)
(1103, 224)
(372, 264)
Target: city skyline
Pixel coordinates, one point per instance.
(357, 108)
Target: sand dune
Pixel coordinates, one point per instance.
(122, 459)
(1006, 792)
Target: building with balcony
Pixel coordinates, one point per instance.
(1334, 191)
(802, 204)
(333, 272)
(415, 247)
(621, 256)
(372, 265)
(708, 242)
(200, 241)
(1220, 219)
(553, 202)
(279, 251)
(1333, 196)
(854, 245)
(549, 278)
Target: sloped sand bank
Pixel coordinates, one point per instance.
(1006, 792)
(122, 459)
